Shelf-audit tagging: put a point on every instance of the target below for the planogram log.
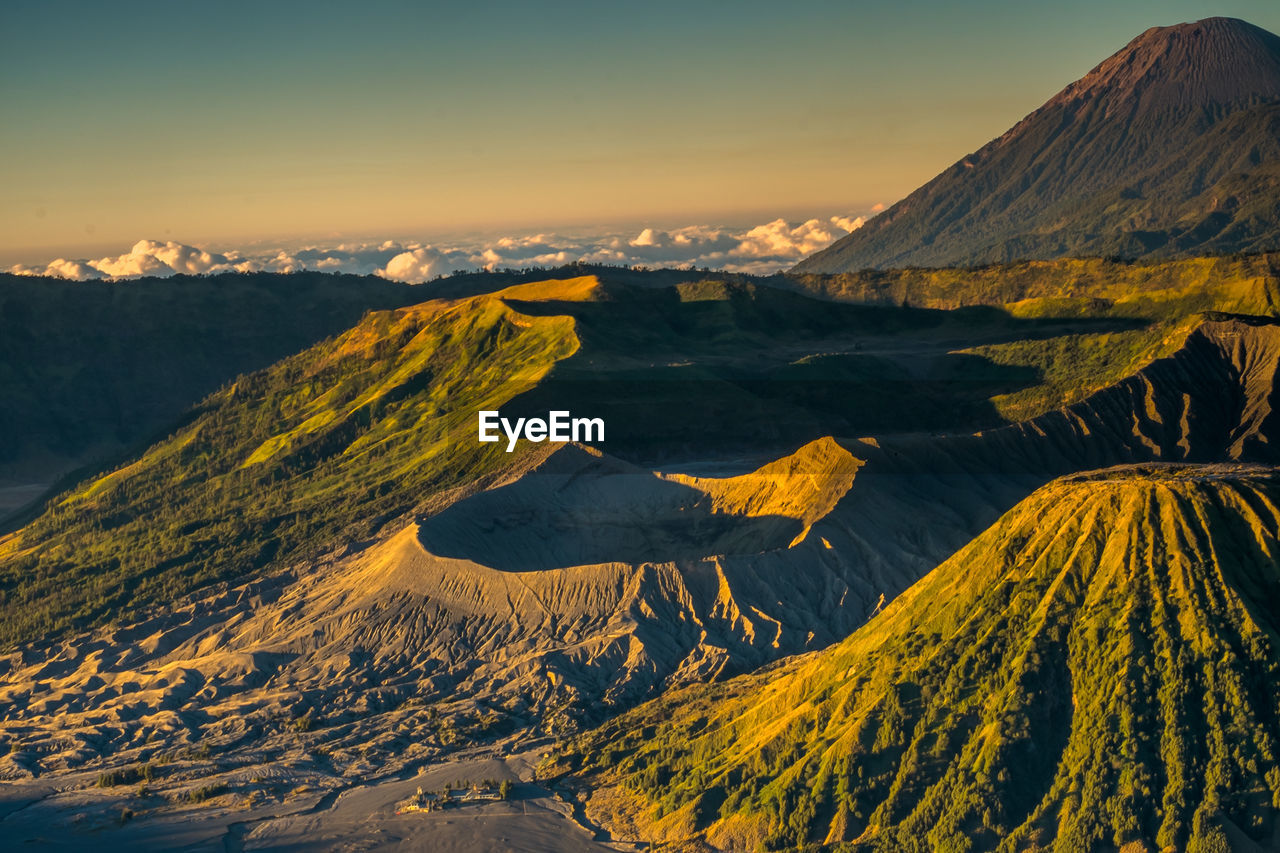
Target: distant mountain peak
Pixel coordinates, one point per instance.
(1214, 61)
(1169, 147)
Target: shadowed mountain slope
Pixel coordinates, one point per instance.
(1169, 147)
(90, 368)
(1096, 670)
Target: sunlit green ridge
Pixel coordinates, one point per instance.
(335, 440)
(1096, 670)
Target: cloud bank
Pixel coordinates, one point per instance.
(147, 257)
(762, 249)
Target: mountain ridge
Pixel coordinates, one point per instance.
(1217, 61)
(323, 576)
(569, 583)
(985, 708)
(1144, 156)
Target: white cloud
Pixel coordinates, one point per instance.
(147, 257)
(762, 249)
(649, 237)
(62, 268)
(778, 239)
(419, 265)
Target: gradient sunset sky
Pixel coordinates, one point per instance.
(223, 122)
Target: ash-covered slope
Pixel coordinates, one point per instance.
(1169, 147)
(1096, 671)
(394, 636)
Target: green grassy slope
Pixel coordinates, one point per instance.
(1164, 298)
(320, 448)
(91, 369)
(1096, 671)
(87, 368)
(1071, 367)
(1152, 290)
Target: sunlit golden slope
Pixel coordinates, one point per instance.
(321, 448)
(1096, 670)
(1073, 286)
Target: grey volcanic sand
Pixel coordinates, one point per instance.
(33, 816)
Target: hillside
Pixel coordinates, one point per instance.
(1095, 671)
(1167, 148)
(328, 446)
(321, 577)
(93, 371)
(89, 370)
(309, 454)
(532, 592)
(1070, 287)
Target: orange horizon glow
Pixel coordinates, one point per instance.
(144, 120)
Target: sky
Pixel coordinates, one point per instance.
(247, 128)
